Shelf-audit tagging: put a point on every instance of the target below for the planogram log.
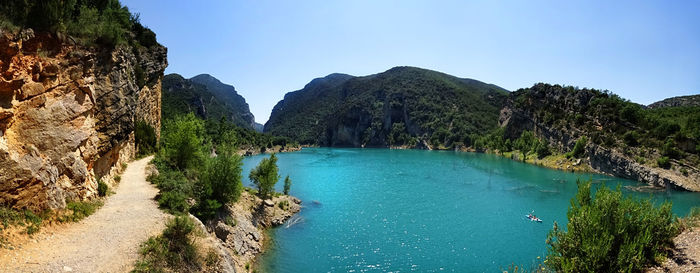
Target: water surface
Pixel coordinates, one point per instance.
(380, 210)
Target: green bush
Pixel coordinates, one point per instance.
(102, 188)
(80, 209)
(579, 148)
(265, 176)
(664, 162)
(175, 189)
(174, 250)
(145, 136)
(221, 182)
(631, 138)
(182, 141)
(610, 233)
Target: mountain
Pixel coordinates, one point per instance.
(207, 97)
(692, 100)
(404, 106)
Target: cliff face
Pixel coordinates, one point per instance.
(67, 115)
(562, 115)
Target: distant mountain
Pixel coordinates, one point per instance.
(258, 127)
(207, 97)
(404, 106)
(692, 100)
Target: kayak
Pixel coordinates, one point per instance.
(535, 219)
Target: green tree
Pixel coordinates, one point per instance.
(265, 176)
(182, 141)
(220, 183)
(145, 137)
(610, 233)
(287, 185)
(579, 148)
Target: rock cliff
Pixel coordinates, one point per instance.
(67, 115)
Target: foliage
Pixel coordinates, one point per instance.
(182, 140)
(265, 176)
(78, 210)
(610, 233)
(579, 148)
(287, 185)
(664, 162)
(220, 183)
(402, 106)
(145, 136)
(102, 188)
(175, 189)
(174, 250)
(105, 22)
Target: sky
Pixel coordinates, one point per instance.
(642, 50)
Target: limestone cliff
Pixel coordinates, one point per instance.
(67, 115)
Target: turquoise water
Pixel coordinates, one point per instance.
(380, 210)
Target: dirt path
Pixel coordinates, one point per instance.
(685, 256)
(107, 241)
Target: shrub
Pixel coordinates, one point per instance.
(145, 136)
(102, 188)
(182, 141)
(80, 209)
(287, 185)
(631, 138)
(265, 176)
(175, 189)
(579, 148)
(664, 162)
(220, 182)
(173, 250)
(610, 233)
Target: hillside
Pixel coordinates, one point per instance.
(205, 96)
(404, 106)
(621, 138)
(692, 100)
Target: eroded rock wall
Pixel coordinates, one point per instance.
(67, 115)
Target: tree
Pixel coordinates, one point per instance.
(610, 233)
(265, 176)
(579, 148)
(182, 141)
(287, 185)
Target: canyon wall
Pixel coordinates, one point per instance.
(67, 115)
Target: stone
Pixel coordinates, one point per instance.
(30, 90)
(269, 203)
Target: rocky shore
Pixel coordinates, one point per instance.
(238, 234)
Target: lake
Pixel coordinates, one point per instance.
(381, 210)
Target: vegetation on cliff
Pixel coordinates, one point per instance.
(404, 106)
(105, 22)
(207, 97)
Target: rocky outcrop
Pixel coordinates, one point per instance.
(67, 115)
(241, 229)
(681, 101)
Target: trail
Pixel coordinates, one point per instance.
(107, 241)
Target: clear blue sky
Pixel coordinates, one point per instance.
(641, 50)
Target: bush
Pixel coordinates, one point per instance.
(175, 189)
(173, 250)
(79, 210)
(145, 136)
(610, 233)
(182, 141)
(265, 176)
(579, 148)
(220, 182)
(102, 188)
(631, 138)
(664, 162)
